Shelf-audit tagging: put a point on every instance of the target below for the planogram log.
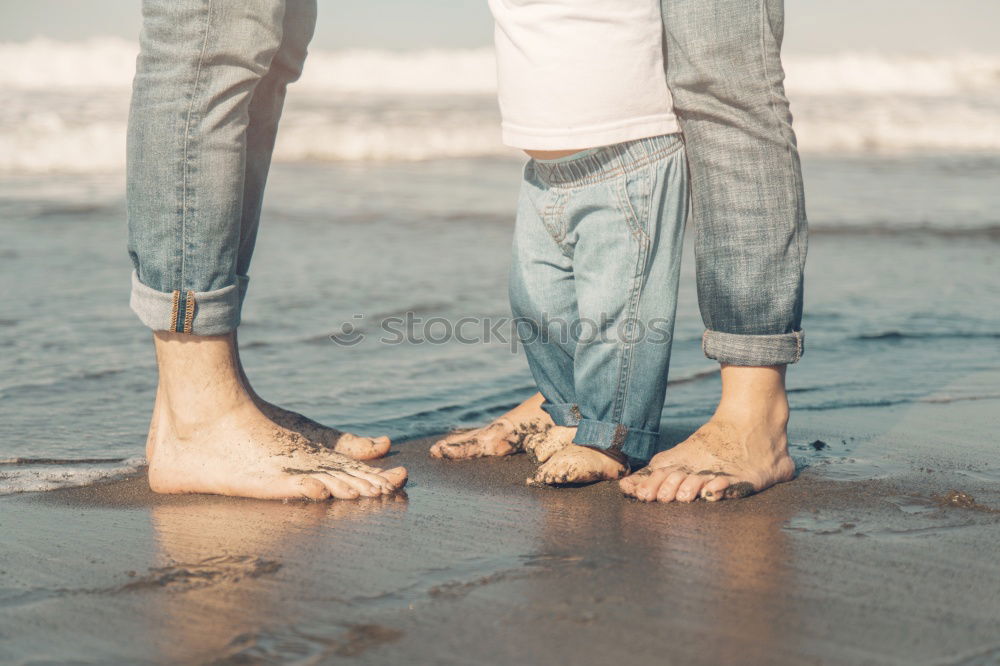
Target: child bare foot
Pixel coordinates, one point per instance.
(503, 436)
(569, 463)
(543, 445)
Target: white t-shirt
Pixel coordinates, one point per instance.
(581, 73)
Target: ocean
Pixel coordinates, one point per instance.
(391, 194)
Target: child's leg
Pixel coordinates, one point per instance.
(543, 295)
(624, 227)
(543, 301)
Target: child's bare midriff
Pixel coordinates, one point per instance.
(552, 154)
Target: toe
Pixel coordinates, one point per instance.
(540, 476)
(337, 487)
(714, 490)
(668, 489)
(306, 486)
(647, 487)
(364, 487)
(396, 477)
(690, 487)
(373, 476)
(362, 448)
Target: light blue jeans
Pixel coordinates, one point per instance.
(593, 286)
(748, 208)
(208, 92)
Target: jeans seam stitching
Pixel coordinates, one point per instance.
(187, 142)
(625, 372)
(792, 179)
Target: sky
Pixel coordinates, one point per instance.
(812, 26)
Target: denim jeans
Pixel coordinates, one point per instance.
(208, 92)
(748, 208)
(593, 286)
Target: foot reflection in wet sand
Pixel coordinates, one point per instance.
(234, 575)
(712, 581)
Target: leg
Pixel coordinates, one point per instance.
(724, 71)
(626, 222)
(542, 293)
(743, 448)
(264, 113)
(212, 438)
(199, 69)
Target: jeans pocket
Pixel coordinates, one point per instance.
(633, 193)
(553, 214)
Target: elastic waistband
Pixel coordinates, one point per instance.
(596, 164)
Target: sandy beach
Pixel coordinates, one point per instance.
(883, 551)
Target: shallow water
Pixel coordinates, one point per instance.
(901, 303)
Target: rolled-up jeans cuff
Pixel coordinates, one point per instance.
(214, 312)
(564, 414)
(753, 350)
(639, 445)
(242, 281)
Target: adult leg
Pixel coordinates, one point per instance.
(199, 68)
(724, 71)
(264, 113)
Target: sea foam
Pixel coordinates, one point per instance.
(21, 475)
(67, 105)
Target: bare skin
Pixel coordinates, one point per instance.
(504, 436)
(742, 450)
(208, 435)
(564, 462)
(352, 446)
(551, 154)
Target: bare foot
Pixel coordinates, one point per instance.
(577, 464)
(541, 446)
(243, 453)
(352, 446)
(208, 435)
(719, 461)
(570, 463)
(742, 450)
(503, 436)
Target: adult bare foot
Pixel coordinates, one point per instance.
(742, 450)
(503, 436)
(345, 443)
(570, 463)
(210, 437)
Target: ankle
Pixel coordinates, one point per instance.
(771, 410)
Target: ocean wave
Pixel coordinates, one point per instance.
(22, 475)
(108, 62)
(66, 105)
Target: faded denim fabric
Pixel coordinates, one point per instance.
(748, 207)
(593, 286)
(208, 92)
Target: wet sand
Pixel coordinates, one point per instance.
(868, 557)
